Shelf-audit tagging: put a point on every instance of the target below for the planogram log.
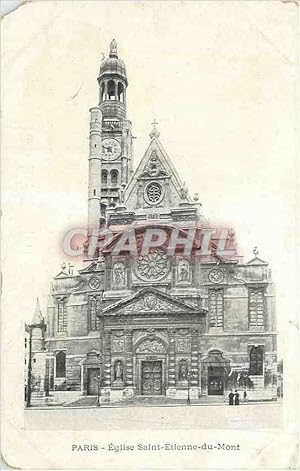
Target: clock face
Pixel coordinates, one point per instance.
(111, 149)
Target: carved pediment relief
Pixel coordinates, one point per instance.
(154, 167)
(93, 357)
(151, 346)
(150, 301)
(215, 357)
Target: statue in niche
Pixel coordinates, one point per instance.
(183, 270)
(118, 373)
(121, 195)
(183, 371)
(119, 274)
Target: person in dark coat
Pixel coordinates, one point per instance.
(231, 396)
(236, 398)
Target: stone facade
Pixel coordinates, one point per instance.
(154, 324)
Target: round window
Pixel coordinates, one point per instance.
(153, 193)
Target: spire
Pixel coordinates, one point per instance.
(113, 49)
(37, 315)
(154, 133)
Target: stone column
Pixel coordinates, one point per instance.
(194, 365)
(129, 390)
(51, 374)
(171, 389)
(106, 385)
(107, 360)
(47, 377)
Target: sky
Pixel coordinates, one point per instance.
(6, 6)
(220, 79)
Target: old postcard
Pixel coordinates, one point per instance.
(150, 223)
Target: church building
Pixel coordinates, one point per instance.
(161, 323)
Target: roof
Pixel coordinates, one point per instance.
(257, 261)
(37, 315)
(113, 65)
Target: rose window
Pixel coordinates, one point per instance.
(153, 193)
(153, 266)
(216, 276)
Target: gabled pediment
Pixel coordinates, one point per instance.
(257, 261)
(151, 300)
(155, 166)
(95, 266)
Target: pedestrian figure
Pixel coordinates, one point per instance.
(231, 396)
(245, 396)
(236, 398)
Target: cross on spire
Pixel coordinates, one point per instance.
(37, 315)
(154, 133)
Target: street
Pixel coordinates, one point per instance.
(256, 416)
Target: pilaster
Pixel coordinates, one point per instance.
(129, 358)
(107, 359)
(194, 358)
(171, 369)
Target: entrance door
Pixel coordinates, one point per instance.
(92, 381)
(215, 380)
(256, 361)
(151, 377)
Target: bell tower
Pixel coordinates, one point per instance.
(116, 134)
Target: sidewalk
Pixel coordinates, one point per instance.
(91, 403)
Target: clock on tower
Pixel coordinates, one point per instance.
(116, 145)
(111, 155)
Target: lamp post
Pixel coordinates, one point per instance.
(190, 374)
(29, 329)
(98, 378)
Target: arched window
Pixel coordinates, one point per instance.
(256, 308)
(62, 320)
(256, 361)
(120, 92)
(103, 92)
(60, 365)
(94, 307)
(104, 177)
(114, 177)
(216, 308)
(111, 90)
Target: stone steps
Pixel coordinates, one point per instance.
(258, 382)
(86, 401)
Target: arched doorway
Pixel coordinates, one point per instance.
(91, 373)
(150, 367)
(214, 373)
